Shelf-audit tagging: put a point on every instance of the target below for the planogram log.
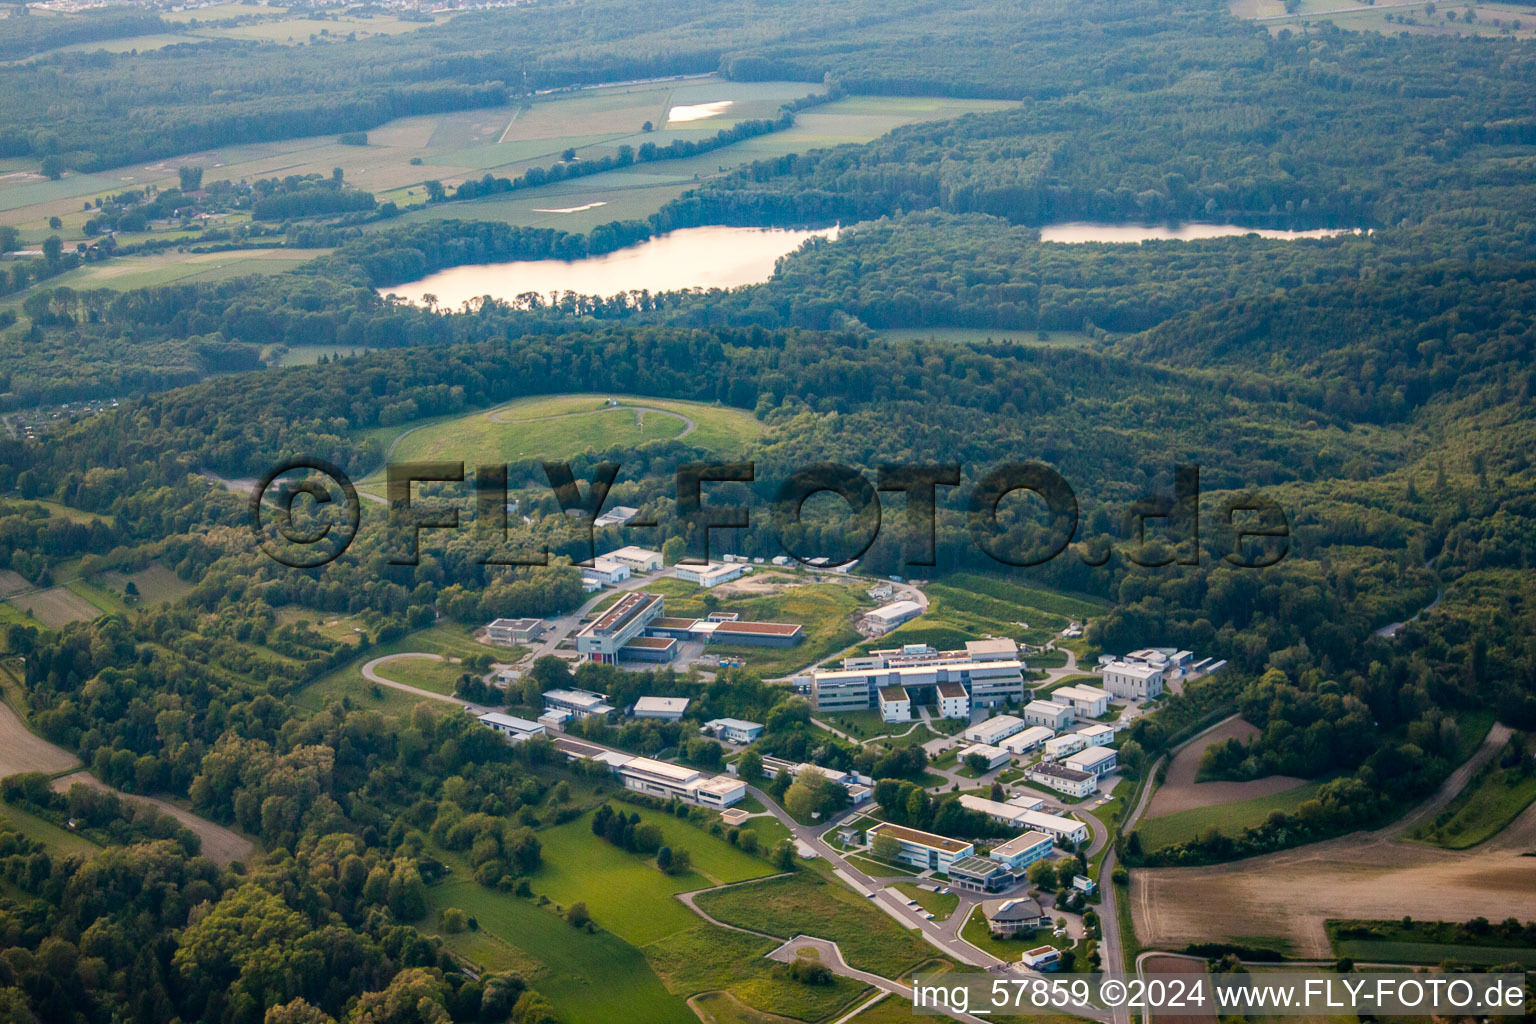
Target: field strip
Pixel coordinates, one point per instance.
(22, 750)
(220, 845)
(508, 128)
(689, 423)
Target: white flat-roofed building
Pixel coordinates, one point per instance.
(638, 559)
(711, 575)
(1007, 814)
(1027, 740)
(1096, 761)
(554, 719)
(1023, 850)
(580, 703)
(606, 571)
(954, 701)
(895, 704)
(515, 729)
(923, 850)
(1063, 779)
(1065, 831)
(995, 757)
(1133, 680)
(667, 781)
(1049, 714)
(604, 637)
(1059, 747)
(992, 650)
(736, 730)
(669, 709)
(619, 515)
(1087, 701)
(988, 683)
(888, 617)
(1098, 735)
(512, 631)
(1025, 801)
(994, 730)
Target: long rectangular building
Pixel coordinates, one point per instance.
(924, 850)
(987, 684)
(604, 637)
(660, 779)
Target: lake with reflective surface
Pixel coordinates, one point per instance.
(1086, 231)
(708, 257)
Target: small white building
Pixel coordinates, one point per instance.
(1096, 761)
(619, 515)
(995, 757)
(606, 571)
(736, 730)
(580, 703)
(1063, 779)
(1098, 735)
(895, 704)
(711, 575)
(515, 729)
(1133, 680)
(1086, 701)
(638, 559)
(512, 631)
(668, 709)
(1059, 747)
(1049, 714)
(995, 730)
(1027, 740)
(1023, 850)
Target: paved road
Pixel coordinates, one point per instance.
(830, 954)
(370, 673)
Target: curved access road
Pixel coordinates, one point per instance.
(371, 673)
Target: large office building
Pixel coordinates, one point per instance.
(1132, 680)
(923, 654)
(980, 874)
(1087, 701)
(1063, 779)
(923, 850)
(601, 639)
(986, 683)
(668, 781)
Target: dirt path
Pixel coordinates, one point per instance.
(1285, 898)
(1180, 791)
(220, 845)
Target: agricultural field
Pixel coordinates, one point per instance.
(54, 607)
(625, 892)
(804, 903)
(1427, 942)
(1181, 790)
(22, 750)
(58, 841)
(155, 583)
(163, 268)
(1489, 19)
(1230, 817)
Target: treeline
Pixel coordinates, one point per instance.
(25, 36)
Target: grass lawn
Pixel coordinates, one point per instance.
(55, 839)
(976, 932)
(806, 904)
(587, 976)
(940, 905)
(625, 892)
(423, 673)
(347, 683)
(1183, 826)
(709, 959)
(823, 609)
(156, 584)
